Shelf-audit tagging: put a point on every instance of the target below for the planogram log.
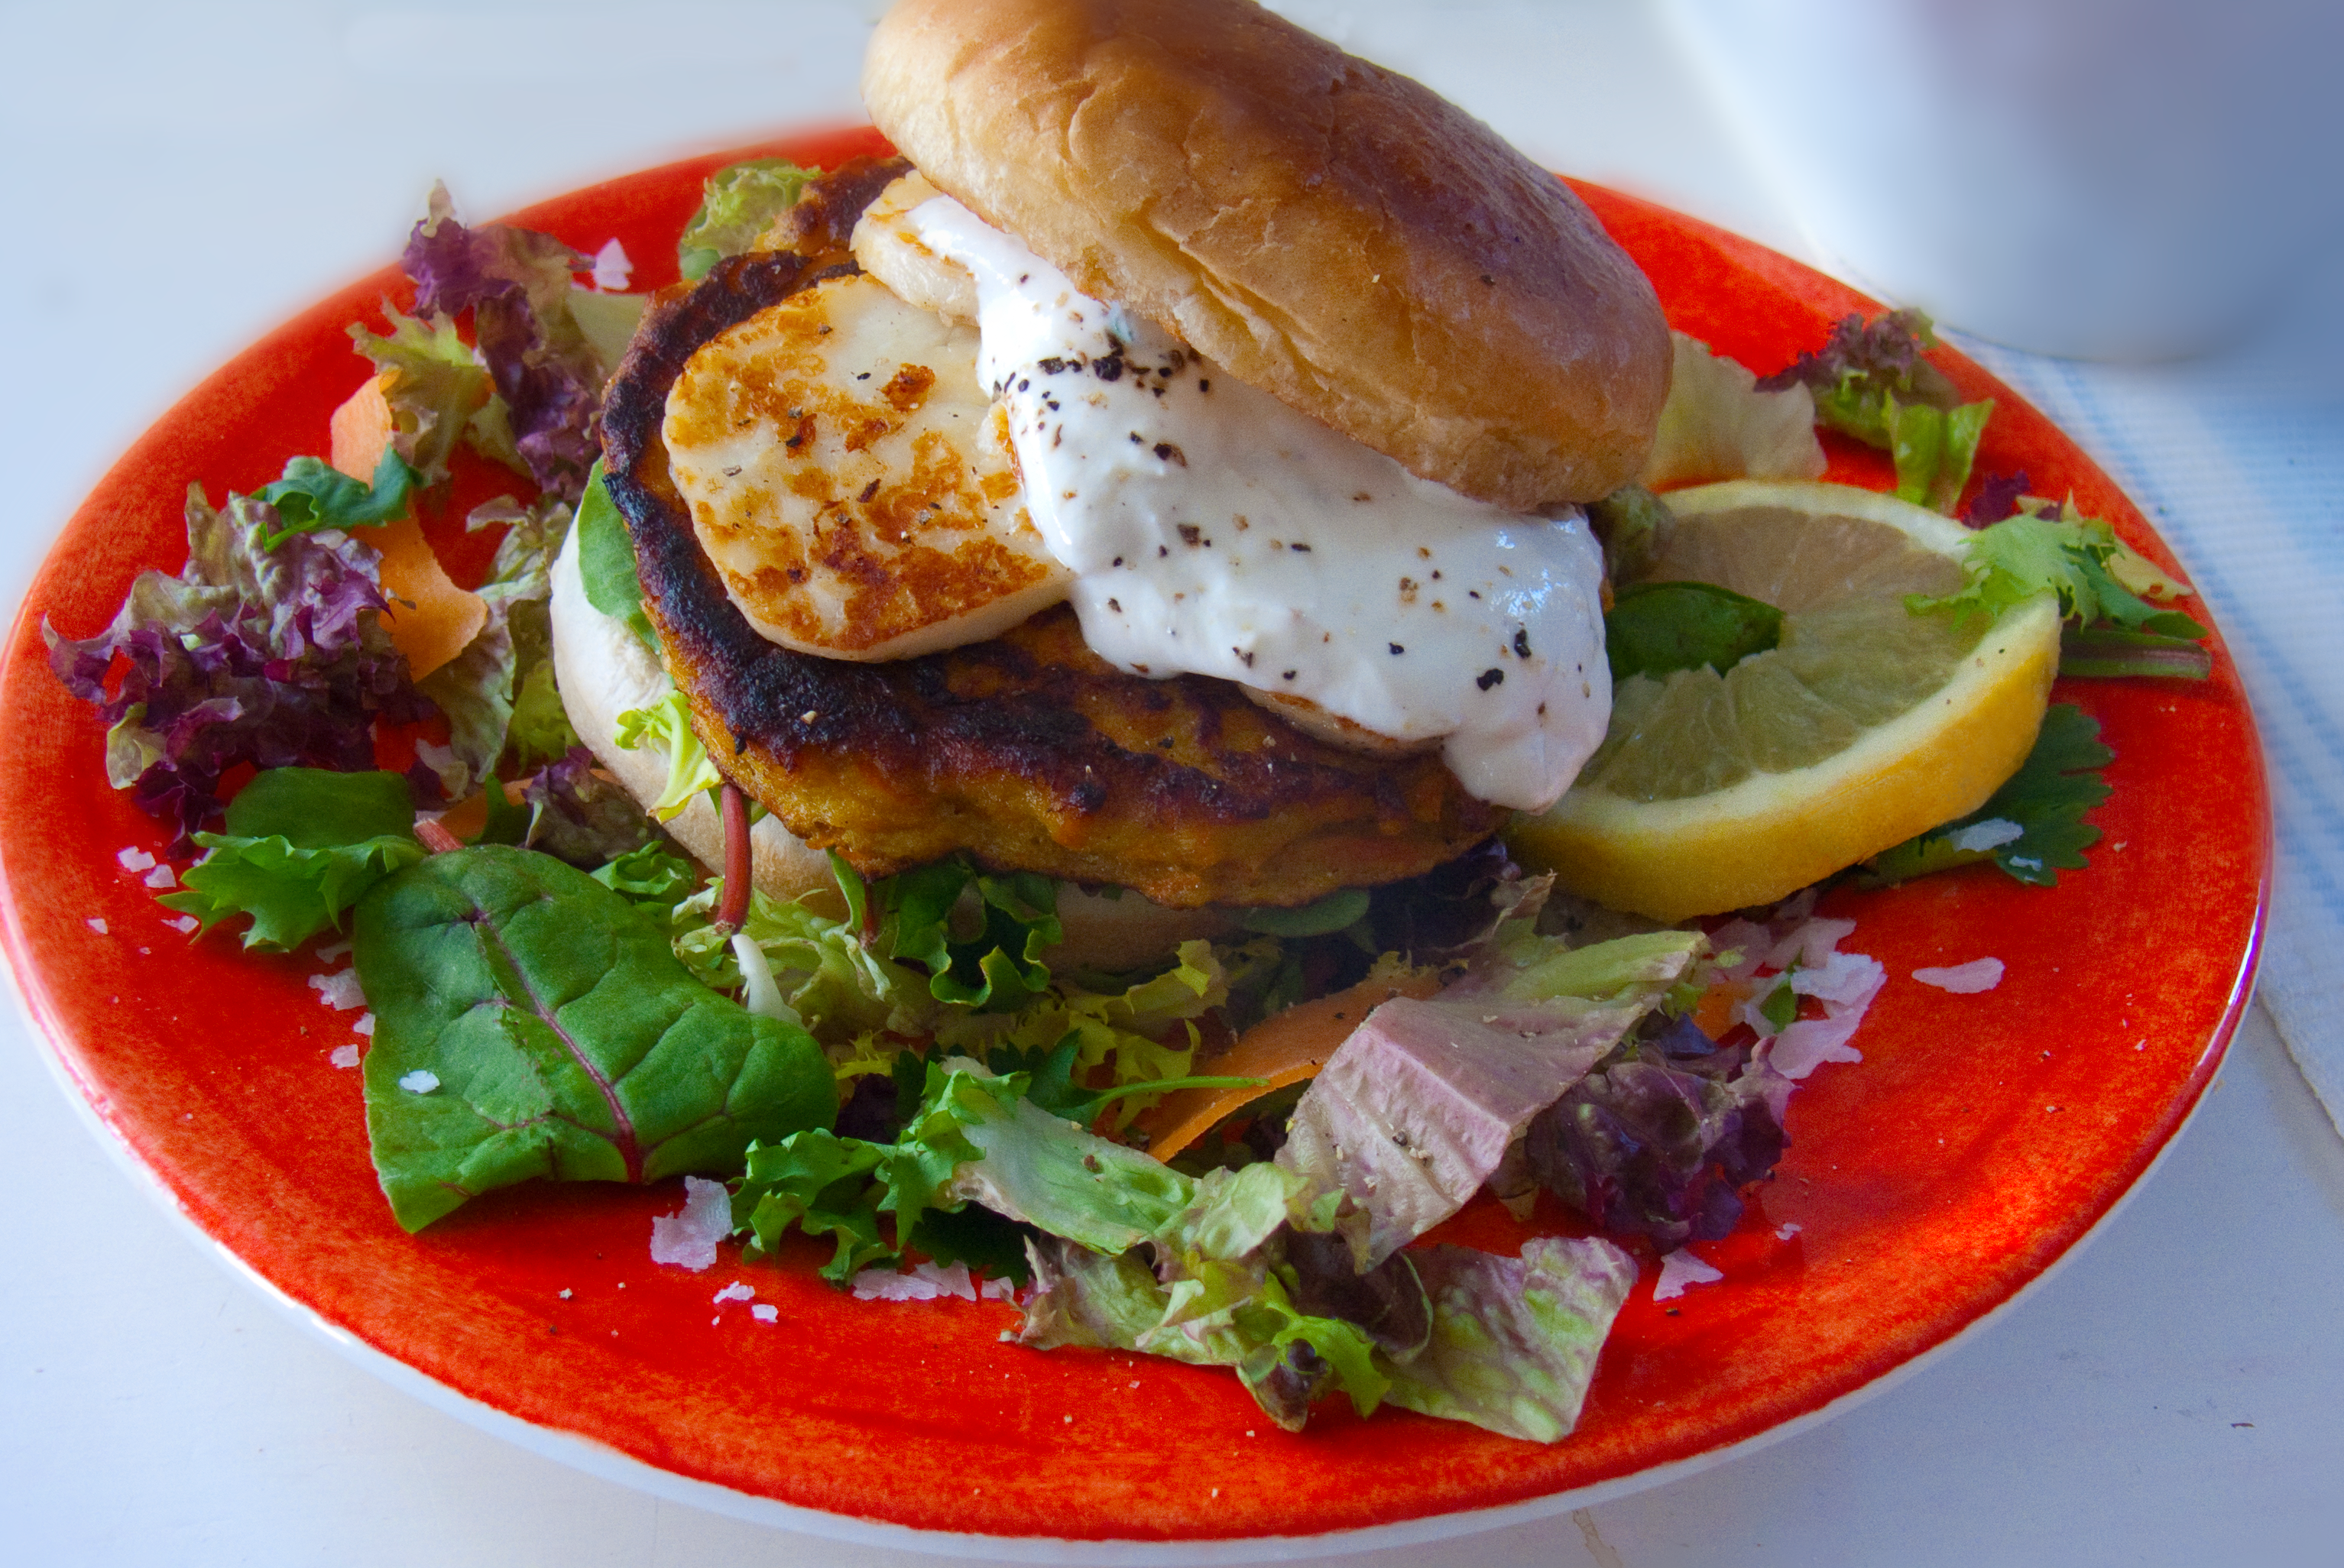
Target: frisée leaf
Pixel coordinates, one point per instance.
(529, 1025)
(735, 206)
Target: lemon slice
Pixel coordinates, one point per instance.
(1865, 725)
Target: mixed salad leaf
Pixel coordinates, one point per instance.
(1869, 380)
(2033, 826)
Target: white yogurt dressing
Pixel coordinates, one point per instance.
(1218, 531)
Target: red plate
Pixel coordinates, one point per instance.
(1978, 1141)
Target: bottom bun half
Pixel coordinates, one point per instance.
(602, 670)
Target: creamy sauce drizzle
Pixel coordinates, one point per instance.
(1218, 531)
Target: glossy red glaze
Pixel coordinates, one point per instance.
(1979, 1140)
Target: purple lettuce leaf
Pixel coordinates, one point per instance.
(516, 282)
(577, 815)
(1998, 495)
(276, 658)
(1660, 1137)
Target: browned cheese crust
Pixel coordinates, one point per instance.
(1324, 228)
(1029, 751)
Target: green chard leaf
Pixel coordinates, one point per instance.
(736, 205)
(313, 494)
(528, 1025)
(1337, 911)
(2033, 826)
(302, 845)
(1653, 628)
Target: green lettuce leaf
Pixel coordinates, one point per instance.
(528, 1025)
(440, 394)
(302, 845)
(666, 726)
(2033, 826)
(1514, 1341)
(736, 205)
(998, 967)
(2080, 559)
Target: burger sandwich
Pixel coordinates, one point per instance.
(1166, 476)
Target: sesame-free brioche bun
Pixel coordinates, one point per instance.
(1323, 228)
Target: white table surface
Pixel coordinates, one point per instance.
(174, 179)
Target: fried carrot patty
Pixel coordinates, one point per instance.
(1027, 751)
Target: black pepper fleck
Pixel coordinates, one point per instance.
(1522, 642)
(1488, 678)
(1397, 649)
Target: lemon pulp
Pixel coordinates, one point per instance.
(1865, 726)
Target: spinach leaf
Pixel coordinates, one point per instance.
(606, 559)
(1656, 627)
(301, 845)
(313, 494)
(526, 1025)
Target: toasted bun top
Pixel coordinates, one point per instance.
(1325, 229)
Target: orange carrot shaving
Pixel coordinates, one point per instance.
(431, 618)
(1281, 1050)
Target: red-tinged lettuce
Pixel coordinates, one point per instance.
(301, 846)
(529, 1023)
(1998, 495)
(577, 815)
(482, 688)
(516, 282)
(438, 393)
(1657, 1141)
(274, 658)
(1870, 381)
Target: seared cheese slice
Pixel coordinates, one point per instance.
(851, 482)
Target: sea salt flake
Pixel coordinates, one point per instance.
(688, 1237)
(335, 954)
(1680, 1268)
(1786, 1231)
(736, 1291)
(1964, 979)
(363, 1025)
(765, 1313)
(924, 1283)
(1849, 978)
(339, 990)
(998, 1290)
(421, 1081)
(612, 267)
(162, 877)
(96, 925)
(343, 1056)
(184, 923)
(1809, 1042)
(134, 860)
(1992, 834)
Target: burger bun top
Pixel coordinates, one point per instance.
(1321, 227)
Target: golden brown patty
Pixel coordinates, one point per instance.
(1028, 750)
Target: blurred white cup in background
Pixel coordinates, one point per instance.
(2100, 178)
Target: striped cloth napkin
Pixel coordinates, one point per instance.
(2239, 464)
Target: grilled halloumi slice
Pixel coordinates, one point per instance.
(852, 482)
